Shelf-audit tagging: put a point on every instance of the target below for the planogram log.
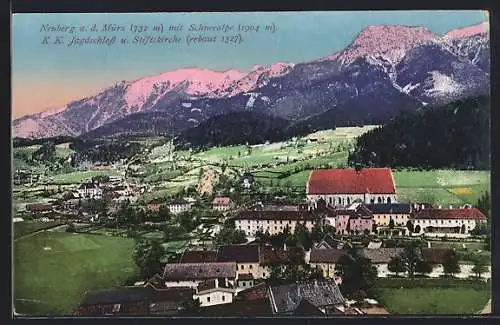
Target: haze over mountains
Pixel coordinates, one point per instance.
(385, 71)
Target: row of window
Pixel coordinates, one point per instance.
(223, 298)
(442, 222)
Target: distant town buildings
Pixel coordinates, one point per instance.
(178, 206)
(447, 221)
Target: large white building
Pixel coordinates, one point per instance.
(342, 187)
(88, 191)
(179, 206)
(274, 221)
(459, 222)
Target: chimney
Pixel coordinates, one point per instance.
(216, 283)
(451, 206)
(284, 247)
(423, 206)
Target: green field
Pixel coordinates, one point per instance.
(434, 301)
(27, 227)
(433, 296)
(77, 177)
(53, 281)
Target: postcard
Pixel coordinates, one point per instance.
(259, 164)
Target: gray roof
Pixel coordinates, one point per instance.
(328, 255)
(320, 293)
(381, 255)
(192, 271)
(394, 208)
(331, 242)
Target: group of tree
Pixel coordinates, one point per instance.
(147, 255)
(455, 135)
(230, 235)
(103, 151)
(358, 275)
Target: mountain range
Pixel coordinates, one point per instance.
(386, 71)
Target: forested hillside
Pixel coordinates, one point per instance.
(456, 135)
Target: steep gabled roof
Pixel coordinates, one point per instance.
(238, 253)
(190, 271)
(471, 213)
(350, 181)
(198, 256)
(329, 255)
(320, 293)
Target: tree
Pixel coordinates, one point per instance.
(228, 235)
(484, 204)
(317, 232)
(480, 266)
(396, 265)
(450, 264)
(358, 275)
(391, 224)
(303, 236)
(374, 228)
(423, 267)
(410, 258)
(147, 255)
(417, 229)
(409, 226)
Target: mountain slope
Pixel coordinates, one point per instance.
(410, 66)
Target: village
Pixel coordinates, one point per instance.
(315, 255)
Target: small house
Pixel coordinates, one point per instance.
(154, 205)
(222, 204)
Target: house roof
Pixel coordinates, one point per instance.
(155, 201)
(328, 255)
(85, 186)
(245, 276)
(178, 201)
(276, 215)
(268, 255)
(221, 201)
(189, 271)
(436, 255)
(330, 242)
(350, 181)
(172, 294)
(255, 308)
(471, 213)
(381, 255)
(38, 207)
(238, 253)
(305, 308)
(320, 293)
(256, 292)
(374, 244)
(198, 256)
(393, 208)
(206, 285)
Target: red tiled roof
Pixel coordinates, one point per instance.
(198, 257)
(268, 255)
(329, 255)
(221, 201)
(245, 276)
(350, 181)
(471, 213)
(254, 293)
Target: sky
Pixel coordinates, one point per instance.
(49, 76)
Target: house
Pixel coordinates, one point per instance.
(222, 204)
(247, 180)
(154, 205)
(89, 190)
(246, 258)
(275, 221)
(245, 280)
(285, 299)
(39, 208)
(192, 274)
(326, 259)
(212, 292)
(341, 187)
(134, 301)
(383, 213)
(450, 222)
(353, 220)
(179, 206)
(198, 256)
(381, 257)
(269, 256)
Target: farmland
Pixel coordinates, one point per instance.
(52, 270)
(432, 297)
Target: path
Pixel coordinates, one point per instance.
(37, 232)
(487, 308)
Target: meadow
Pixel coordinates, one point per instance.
(433, 296)
(53, 270)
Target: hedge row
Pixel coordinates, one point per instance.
(430, 283)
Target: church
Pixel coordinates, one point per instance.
(342, 187)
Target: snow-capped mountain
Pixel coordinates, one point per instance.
(384, 70)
